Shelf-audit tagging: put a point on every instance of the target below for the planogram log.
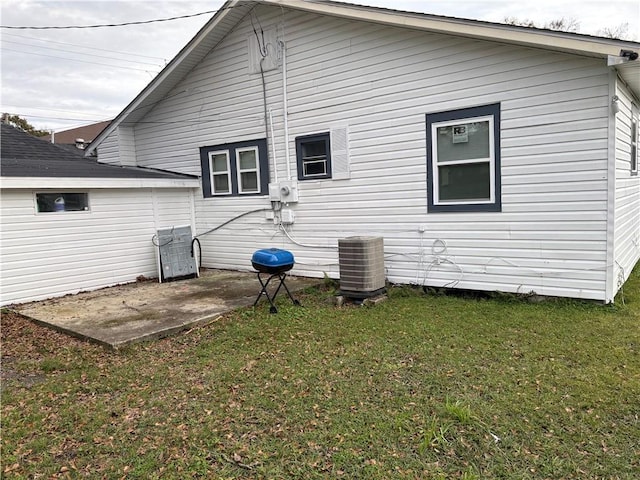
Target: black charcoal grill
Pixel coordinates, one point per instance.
(275, 263)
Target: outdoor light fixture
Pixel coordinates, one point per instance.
(629, 54)
(615, 104)
(625, 56)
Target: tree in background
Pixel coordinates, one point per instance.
(560, 25)
(621, 32)
(21, 124)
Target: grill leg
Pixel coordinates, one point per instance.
(295, 302)
(264, 292)
(271, 298)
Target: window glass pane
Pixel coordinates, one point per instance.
(219, 162)
(221, 183)
(247, 159)
(314, 149)
(464, 141)
(249, 182)
(469, 181)
(315, 167)
(62, 202)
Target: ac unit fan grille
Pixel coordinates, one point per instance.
(361, 261)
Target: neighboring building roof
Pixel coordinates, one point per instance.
(88, 133)
(23, 155)
(233, 11)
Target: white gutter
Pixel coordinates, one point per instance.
(80, 183)
(539, 38)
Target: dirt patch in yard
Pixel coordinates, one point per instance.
(25, 345)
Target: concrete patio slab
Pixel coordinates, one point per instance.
(134, 312)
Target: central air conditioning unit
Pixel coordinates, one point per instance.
(361, 261)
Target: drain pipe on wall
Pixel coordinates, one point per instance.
(273, 146)
(285, 106)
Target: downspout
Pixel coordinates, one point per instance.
(273, 147)
(192, 213)
(610, 265)
(156, 225)
(285, 106)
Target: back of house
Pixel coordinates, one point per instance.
(487, 156)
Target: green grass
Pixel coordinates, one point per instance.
(420, 386)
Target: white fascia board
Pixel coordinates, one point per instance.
(85, 183)
(546, 39)
(163, 75)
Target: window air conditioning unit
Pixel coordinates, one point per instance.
(361, 261)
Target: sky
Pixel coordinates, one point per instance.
(63, 78)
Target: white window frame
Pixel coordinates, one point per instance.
(240, 171)
(490, 160)
(212, 174)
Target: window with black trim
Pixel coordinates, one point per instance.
(235, 169)
(635, 135)
(463, 160)
(62, 202)
(313, 153)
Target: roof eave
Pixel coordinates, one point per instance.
(140, 102)
(524, 36)
(43, 183)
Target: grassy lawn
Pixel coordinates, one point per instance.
(419, 386)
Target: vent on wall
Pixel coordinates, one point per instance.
(361, 261)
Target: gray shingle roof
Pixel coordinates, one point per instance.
(22, 155)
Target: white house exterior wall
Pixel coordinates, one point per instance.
(381, 81)
(108, 151)
(52, 254)
(119, 147)
(627, 193)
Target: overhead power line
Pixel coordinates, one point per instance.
(25, 107)
(92, 55)
(80, 46)
(76, 60)
(143, 22)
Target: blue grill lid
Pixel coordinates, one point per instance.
(272, 258)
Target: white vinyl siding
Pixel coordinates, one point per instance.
(108, 149)
(627, 194)
(551, 236)
(119, 148)
(43, 256)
